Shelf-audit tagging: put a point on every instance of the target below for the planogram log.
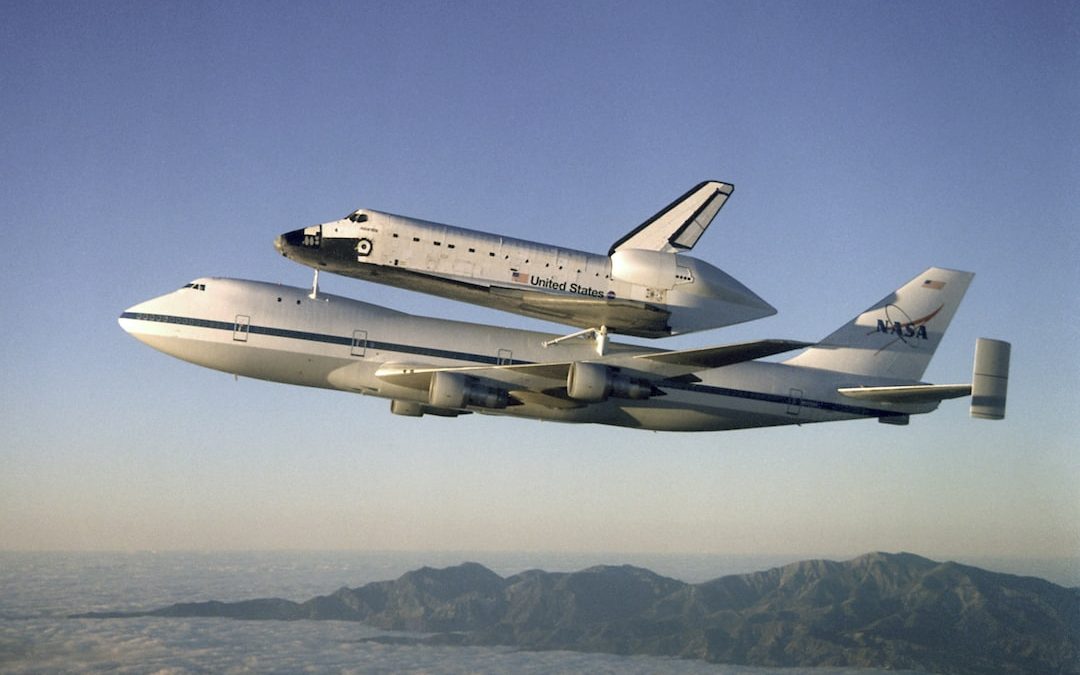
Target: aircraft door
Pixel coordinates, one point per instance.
(241, 328)
(387, 245)
(794, 401)
(505, 358)
(359, 343)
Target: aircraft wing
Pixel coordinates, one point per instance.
(915, 393)
(545, 383)
(679, 225)
(693, 360)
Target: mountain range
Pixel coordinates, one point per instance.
(880, 610)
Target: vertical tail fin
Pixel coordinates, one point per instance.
(896, 337)
(678, 226)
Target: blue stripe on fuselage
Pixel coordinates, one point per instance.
(316, 337)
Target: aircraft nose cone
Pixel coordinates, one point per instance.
(132, 318)
(279, 244)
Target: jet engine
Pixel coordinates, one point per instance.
(595, 382)
(654, 269)
(455, 390)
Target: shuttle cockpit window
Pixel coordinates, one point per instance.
(358, 217)
(195, 287)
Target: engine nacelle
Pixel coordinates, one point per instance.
(595, 382)
(654, 269)
(417, 409)
(455, 390)
(407, 408)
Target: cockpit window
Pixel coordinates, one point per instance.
(195, 287)
(358, 217)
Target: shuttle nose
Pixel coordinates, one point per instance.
(290, 241)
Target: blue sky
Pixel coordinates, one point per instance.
(147, 144)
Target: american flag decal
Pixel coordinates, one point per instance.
(520, 277)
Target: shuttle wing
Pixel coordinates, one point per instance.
(630, 317)
(679, 225)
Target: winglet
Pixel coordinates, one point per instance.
(679, 225)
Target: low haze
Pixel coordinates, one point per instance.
(147, 144)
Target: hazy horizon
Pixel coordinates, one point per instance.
(691, 567)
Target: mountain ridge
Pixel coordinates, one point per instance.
(879, 610)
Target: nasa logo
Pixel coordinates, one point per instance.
(902, 330)
(364, 248)
(902, 327)
(611, 295)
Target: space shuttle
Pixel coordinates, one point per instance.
(645, 286)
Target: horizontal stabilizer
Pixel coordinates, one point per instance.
(913, 393)
(679, 225)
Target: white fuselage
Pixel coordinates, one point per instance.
(634, 292)
(280, 333)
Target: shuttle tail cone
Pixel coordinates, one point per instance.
(990, 379)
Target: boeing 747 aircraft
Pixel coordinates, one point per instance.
(871, 367)
(644, 286)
